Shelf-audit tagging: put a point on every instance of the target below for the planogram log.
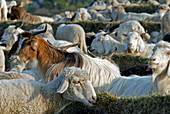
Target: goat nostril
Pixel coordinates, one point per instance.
(94, 98)
(152, 59)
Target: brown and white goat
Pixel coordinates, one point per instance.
(51, 61)
(19, 13)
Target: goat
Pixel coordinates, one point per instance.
(137, 46)
(19, 13)
(73, 33)
(143, 86)
(160, 65)
(29, 96)
(10, 35)
(51, 61)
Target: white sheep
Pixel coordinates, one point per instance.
(129, 26)
(73, 33)
(29, 96)
(10, 36)
(4, 10)
(105, 44)
(165, 23)
(137, 46)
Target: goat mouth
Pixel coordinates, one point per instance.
(151, 64)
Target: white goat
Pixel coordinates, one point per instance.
(137, 46)
(129, 26)
(119, 14)
(105, 44)
(10, 36)
(160, 65)
(73, 33)
(131, 86)
(3, 10)
(143, 86)
(82, 15)
(28, 96)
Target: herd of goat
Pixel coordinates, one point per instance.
(47, 72)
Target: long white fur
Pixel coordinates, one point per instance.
(10, 36)
(137, 46)
(106, 44)
(73, 33)
(126, 27)
(28, 96)
(160, 65)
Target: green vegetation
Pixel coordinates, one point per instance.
(108, 103)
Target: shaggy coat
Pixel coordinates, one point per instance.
(20, 14)
(51, 61)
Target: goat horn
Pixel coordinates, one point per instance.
(91, 54)
(19, 26)
(3, 44)
(109, 33)
(39, 31)
(68, 46)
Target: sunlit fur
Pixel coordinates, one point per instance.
(160, 65)
(52, 61)
(25, 96)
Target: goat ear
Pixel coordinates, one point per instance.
(63, 86)
(141, 45)
(34, 44)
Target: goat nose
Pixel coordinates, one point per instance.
(152, 59)
(94, 98)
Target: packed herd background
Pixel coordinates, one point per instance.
(73, 56)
